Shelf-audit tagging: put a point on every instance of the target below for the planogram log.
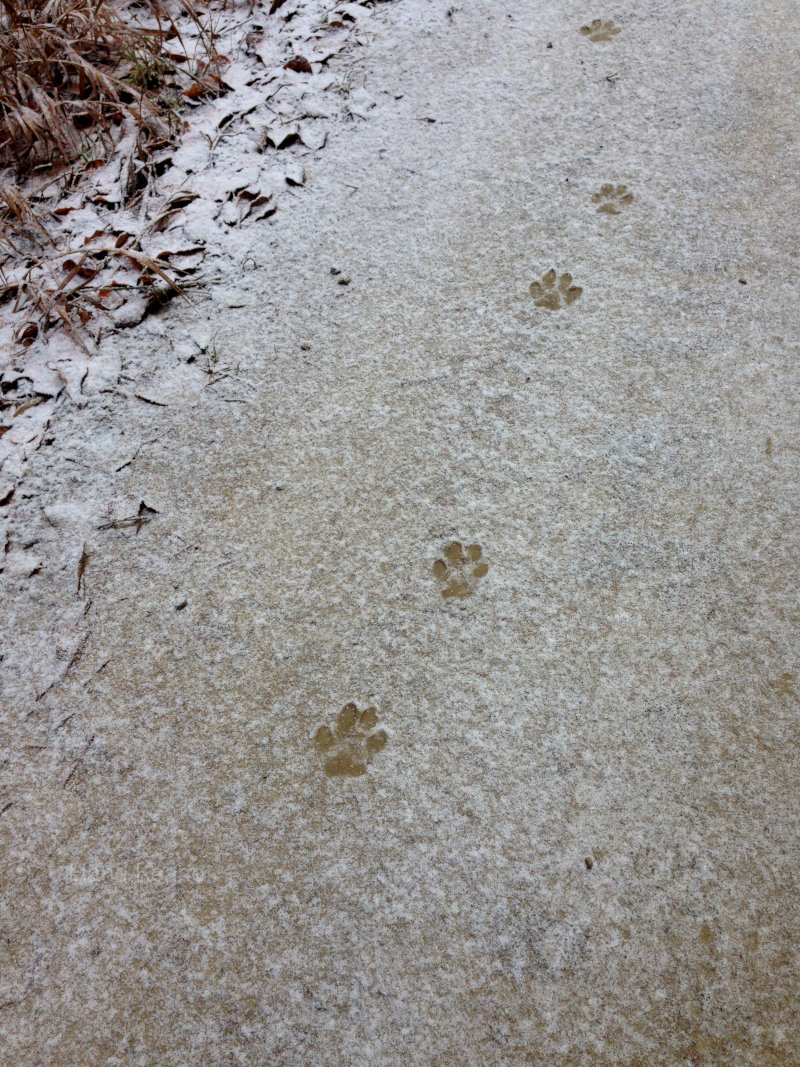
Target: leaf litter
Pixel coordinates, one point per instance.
(98, 246)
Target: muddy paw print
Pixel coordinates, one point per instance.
(352, 743)
(598, 30)
(460, 569)
(612, 198)
(553, 293)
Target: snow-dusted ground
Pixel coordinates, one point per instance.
(574, 837)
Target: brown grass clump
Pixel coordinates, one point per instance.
(71, 71)
(76, 76)
(60, 80)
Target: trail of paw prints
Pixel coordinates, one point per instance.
(600, 30)
(460, 570)
(352, 743)
(612, 198)
(555, 293)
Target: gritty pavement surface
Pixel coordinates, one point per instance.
(418, 684)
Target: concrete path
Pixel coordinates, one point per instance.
(548, 534)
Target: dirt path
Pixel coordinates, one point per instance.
(567, 833)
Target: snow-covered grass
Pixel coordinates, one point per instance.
(70, 70)
(94, 245)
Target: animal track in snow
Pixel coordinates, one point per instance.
(460, 569)
(612, 198)
(352, 743)
(600, 30)
(555, 293)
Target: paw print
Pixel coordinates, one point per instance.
(612, 198)
(459, 570)
(548, 294)
(352, 742)
(598, 30)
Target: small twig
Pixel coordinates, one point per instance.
(128, 462)
(102, 667)
(82, 571)
(78, 761)
(143, 515)
(76, 656)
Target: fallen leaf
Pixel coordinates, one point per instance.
(270, 208)
(162, 222)
(129, 312)
(78, 268)
(231, 214)
(184, 261)
(182, 198)
(312, 137)
(282, 136)
(298, 64)
(26, 335)
(20, 564)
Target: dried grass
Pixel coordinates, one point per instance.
(75, 76)
(71, 70)
(61, 77)
(57, 286)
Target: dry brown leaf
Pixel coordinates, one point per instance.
(282, 136)
(299, 64)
